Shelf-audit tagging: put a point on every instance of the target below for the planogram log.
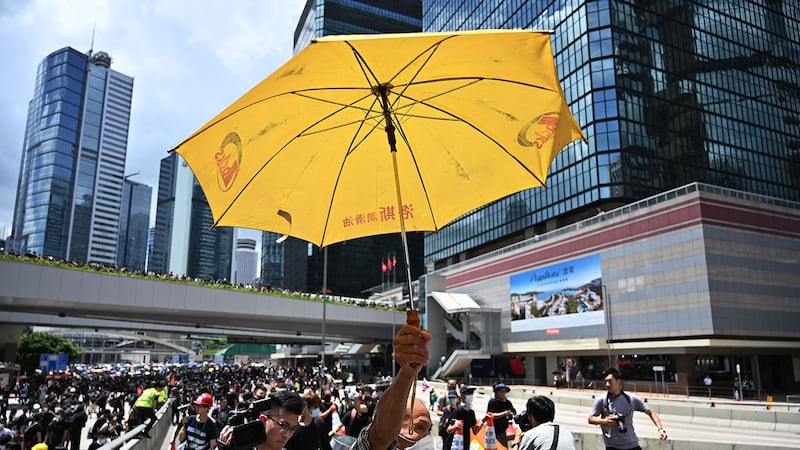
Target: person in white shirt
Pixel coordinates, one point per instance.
(544, 434)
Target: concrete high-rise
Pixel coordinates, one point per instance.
(246, 262)
(354, 267)
(73, 159)
(134, 225)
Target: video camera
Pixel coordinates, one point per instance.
(523, 421)
(620, 420)
(248, 430)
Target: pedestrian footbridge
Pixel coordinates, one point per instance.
(40, 294)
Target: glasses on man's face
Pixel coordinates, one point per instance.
(286, 427)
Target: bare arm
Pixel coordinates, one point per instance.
(598, 420)
(662, 434)
(411, 352)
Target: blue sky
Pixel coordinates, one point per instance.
(189, 59)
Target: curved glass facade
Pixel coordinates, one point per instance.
(667, 92)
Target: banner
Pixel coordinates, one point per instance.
(562, 295)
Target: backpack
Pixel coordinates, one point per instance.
(443, 423)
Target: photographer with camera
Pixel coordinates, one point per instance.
(614, 414)
(265, 424)
(539, 431)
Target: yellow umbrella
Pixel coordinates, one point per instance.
(476, 116)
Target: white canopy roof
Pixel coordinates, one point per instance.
(455, 303)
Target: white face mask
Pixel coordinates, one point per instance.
(425, 443)
(469, 398)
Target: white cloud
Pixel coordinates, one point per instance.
(189, 59)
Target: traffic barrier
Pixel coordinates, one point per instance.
(458, 439)
(490, 439)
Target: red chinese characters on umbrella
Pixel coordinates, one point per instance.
(384, 214)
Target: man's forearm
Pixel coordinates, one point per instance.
(391, 410)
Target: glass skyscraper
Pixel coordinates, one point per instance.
(184, 243)
(668, 92)
(134, 225)
(354, 267)
(334, 17)
(73, 159)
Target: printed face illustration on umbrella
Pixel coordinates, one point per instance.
(366, 135)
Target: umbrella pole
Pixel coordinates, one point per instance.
(412, 317)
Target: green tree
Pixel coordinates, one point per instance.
(32, 345)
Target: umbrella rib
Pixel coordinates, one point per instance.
(469, 124)
(350, 149)
(283, 147)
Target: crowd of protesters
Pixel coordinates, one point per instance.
(104, 402)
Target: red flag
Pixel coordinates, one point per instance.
(389, 263)
(394, 260)
(383, 266)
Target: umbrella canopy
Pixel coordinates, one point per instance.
(324, 147)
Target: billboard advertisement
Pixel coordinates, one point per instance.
(562, 295)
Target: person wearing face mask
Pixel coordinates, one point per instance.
(327, 404)
(390, 426)
(420, 437)
(311, 432)
(465, 415)
(101, 440)
(447, 422)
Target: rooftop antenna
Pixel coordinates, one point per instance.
(91, 46)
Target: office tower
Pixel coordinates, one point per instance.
(333, 17)
(667, 92)
(667, 247)
(73, 159)
(354, 267)
(151, 235)
(134, 225)
(246, 262)
(184, 244)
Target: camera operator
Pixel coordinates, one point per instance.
(502, 409)
(539, 431)
(614, 414)
(279, 420)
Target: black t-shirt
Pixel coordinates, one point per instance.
(497, 405)
(447, 438)
(309, 437)
(468, 417)
(356, 422)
